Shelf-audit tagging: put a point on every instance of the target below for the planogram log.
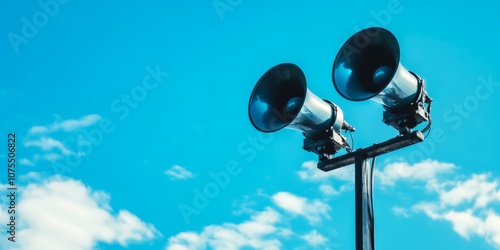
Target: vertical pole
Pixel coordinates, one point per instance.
(364, 227)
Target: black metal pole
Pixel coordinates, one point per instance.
(362, 178)
(362, 182)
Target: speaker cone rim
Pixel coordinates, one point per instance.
(349, 41)
(272, 70)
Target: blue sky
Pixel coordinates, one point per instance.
(132, 127)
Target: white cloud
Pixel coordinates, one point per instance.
(285, 232)
(245, 205)
(464, 223)
(313, 211)
(468, 222)
(491, 229)
(30, 176)
(399, 211)
(47, 144)
(54, 149)
(310, 172)
(178, 172)
(186, 241)
(26, 162)
(265, 229)
(429, 208)
(465, 203)
(422, 171)
(477, 189)
(66, 125)
(48, 157)
(51, 157)
(257, 233)
(328, 190)
(59, 213)
(314, 238)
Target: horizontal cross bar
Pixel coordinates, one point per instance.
(372, 151)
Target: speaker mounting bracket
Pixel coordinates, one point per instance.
(326, 145)
(405, 122)
(405, 119)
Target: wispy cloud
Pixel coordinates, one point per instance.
(266, 228)
(179, 173)
(468, 203)
(313, 211)
(400, 212)
(311, 173)
(328, 190)
(314, 238)
(478, 191)
(60, 213)
(26, 162)
(48, 157)
(47, 144)
(244, 205)
(402, 171)
(259, 232)
(66, 125)
(51, 157)
(466, 222)
(53, 148)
